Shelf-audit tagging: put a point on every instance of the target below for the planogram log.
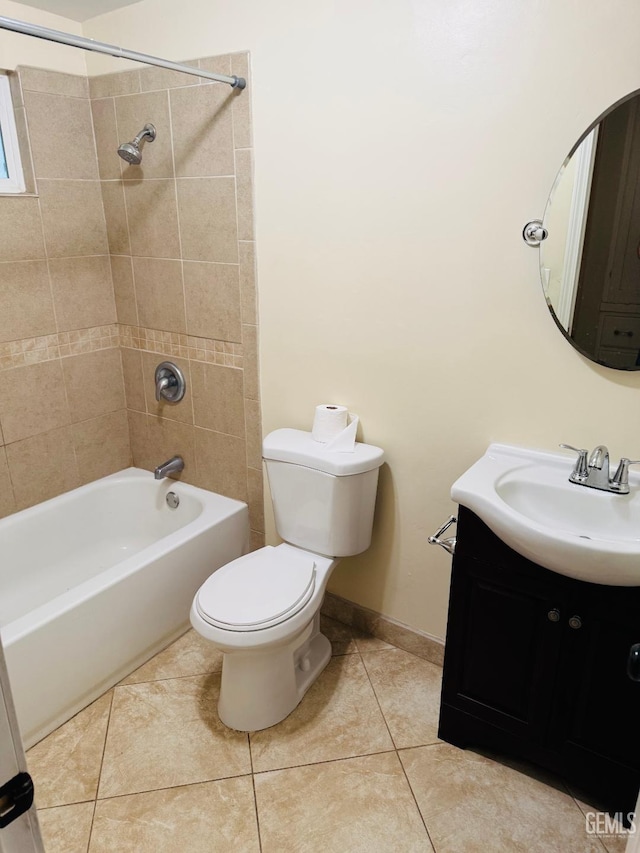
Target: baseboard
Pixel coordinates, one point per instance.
(417, 642)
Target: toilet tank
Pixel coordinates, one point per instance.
(323, 500)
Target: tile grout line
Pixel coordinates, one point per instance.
(255, 797)
(396, 750)
(104, 748)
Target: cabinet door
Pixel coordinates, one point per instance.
(502, 647)
(598, 712)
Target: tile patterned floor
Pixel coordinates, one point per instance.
(148, 768)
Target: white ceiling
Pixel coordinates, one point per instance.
(78, 10)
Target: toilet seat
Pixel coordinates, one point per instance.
(257, 591)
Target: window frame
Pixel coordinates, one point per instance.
(15, 182)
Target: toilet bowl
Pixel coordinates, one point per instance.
(262, 610)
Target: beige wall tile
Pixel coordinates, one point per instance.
(217, 398)
(33, 400)
(152, 217)
(73, 218)
(252, 420)
(159, 294)
(251, 379)
(212, 296)
(182, 411)
(21, 229)
(94, 383)
(42, 467)
(221, 461)
(82, 292)
(25, 149)
(132, 113)
(25, 297)
(255, 499)
(61, 134)
(204, 817)
(242, 136)
(15, 86)
(248, 292)
(7, 500)
(103, 112)
(133, 380)
(115, 212)
(124, 290)
(217, 64)
(244, 189)
(119, 83)
(208, 228)
(154, 440)
(202, 130)
(102, 445)
(153, 78)
(53, 82)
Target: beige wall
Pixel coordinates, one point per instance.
(25, 50)
(400, 148)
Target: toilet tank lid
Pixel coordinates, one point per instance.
(298, 447)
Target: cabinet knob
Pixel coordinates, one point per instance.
(575, 622)
(553, 615)
(633, 663)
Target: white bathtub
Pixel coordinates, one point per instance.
(96, 581)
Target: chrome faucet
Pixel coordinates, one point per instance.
(595, 471)
(171, 466)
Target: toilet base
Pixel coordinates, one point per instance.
(261, 688)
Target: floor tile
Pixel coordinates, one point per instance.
(339, 717)
(190, 654)
(611, 833)
(473, 804)
(210, 817)
(65, 765)
(167, 733)
(339, 635)
(359, 804)
(408, 689)
(66, 829)
(368, 643)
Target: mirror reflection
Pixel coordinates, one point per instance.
(590, 262)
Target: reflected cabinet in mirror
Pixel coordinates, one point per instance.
(590, 261)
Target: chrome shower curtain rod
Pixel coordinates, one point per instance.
(100, 47)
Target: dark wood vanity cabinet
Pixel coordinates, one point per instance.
(536, 667)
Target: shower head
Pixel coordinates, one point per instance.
(130, 151)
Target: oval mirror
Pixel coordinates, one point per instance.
(590, 261)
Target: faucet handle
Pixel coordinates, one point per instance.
(620, 480)
(580, 472)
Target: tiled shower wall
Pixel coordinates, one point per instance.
(138, 264)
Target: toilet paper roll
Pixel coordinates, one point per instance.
(329, 421)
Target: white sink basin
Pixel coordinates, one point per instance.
(525, 497)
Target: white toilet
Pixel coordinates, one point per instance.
(263, 610)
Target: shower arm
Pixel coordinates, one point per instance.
(27, 29)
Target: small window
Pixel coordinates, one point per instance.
(11, 178)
